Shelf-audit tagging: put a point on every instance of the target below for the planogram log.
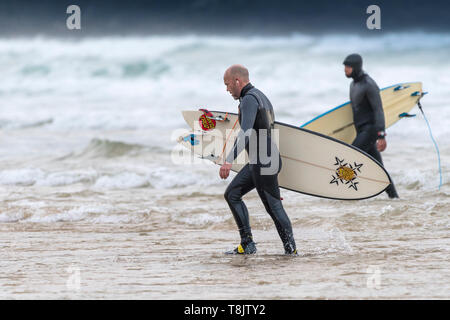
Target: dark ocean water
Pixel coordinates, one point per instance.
(141, 17)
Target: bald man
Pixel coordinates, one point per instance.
(256, 119)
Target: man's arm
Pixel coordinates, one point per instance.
(249, 109)
(373, 95)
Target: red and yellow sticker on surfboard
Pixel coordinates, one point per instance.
(205, 122)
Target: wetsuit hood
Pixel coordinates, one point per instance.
(354, 60)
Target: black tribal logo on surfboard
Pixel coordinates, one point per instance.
(346, 173)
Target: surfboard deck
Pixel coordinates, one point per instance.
(312, 163)
(338, 122)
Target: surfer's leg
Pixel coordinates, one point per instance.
(241, 184)
(391, 191)
(364, 140)
(269, 192)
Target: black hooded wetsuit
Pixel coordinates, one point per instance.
(368, 114)
(256, 112)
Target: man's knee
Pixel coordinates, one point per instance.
(226, 195)
(232, 194)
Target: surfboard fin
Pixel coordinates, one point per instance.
(418, 93)
(400, 88)
(406, 115)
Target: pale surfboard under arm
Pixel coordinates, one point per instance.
(312, 163)
(338, 122)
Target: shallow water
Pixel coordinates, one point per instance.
(142, 243)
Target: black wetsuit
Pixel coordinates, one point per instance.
(256, 112)
(368, 114)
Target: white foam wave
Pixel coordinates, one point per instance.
(39, 177)
(202, 219)
(157, 177)
(144, 82)
(21, 177)
(125, 180)
(31, 212)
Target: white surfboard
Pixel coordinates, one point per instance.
(312, 163)
(397, 101)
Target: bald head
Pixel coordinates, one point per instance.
(235, 78)
(237, 71)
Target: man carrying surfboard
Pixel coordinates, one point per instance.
(256, 119)
(368, 114)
